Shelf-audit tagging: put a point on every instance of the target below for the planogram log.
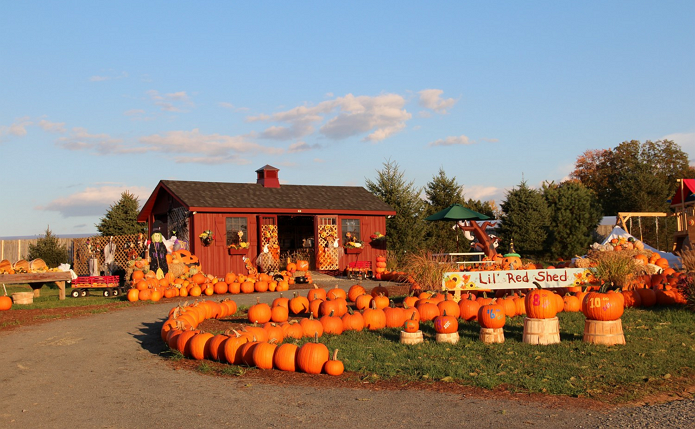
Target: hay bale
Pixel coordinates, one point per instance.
(178, 269)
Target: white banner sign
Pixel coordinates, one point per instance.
(516, 279)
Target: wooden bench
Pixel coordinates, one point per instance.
(359, 269)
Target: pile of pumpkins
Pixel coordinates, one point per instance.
(194, 283)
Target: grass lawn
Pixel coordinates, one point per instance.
(49, 298)
(659, 356)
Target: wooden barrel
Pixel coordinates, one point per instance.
(491, 335)
(607, 333)
(23, 297)
(541, 331)
(411, 337)
(452, 338)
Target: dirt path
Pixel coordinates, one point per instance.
(105, 371)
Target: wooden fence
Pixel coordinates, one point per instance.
(15, 250)
(80, 251)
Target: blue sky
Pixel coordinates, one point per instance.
(101, 97)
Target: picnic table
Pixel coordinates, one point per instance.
(36, 280)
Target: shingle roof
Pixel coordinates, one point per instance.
(252, 195)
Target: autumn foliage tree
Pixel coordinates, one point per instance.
(633, 176)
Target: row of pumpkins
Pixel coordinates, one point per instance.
(326, 311)
(147, 287)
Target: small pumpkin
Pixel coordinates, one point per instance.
(334, 366)
(412, 324)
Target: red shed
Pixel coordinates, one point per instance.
(275, 220)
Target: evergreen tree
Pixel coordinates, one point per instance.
(574, 215)
(49, 249)
(525, 220)
(121, 218)
(405, 231)
(442, 192)
(488, 208)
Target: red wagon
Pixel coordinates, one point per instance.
(108, 285)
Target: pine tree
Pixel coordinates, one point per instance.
(405, 231)
(442, 192)
(49, 249)
(574, 214)
(121, 218)
(525, 220)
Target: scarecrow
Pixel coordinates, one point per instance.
(158, 252)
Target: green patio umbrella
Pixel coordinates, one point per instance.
(457, 212)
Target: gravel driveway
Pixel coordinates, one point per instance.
(105, 371)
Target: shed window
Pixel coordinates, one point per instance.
(351, 226)
(234, 226)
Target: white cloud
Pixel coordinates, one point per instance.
(52, 127)
(302, 147)
(17, 129)
(685, 140)
(230, 106)
(380, 116)
(101, 144)
(452, 140)
(93, 201)
(431, 99)
(483, 193)
(217, 147)
(172, 102)
(297, 130)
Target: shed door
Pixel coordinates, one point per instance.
(327, 254)
(268, 231)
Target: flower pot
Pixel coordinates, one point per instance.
(238, 251)
(353, 250)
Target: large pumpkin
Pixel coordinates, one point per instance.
(603, 306)
(491, 316)
(312, 356)
(540, 304)
(445, 324)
